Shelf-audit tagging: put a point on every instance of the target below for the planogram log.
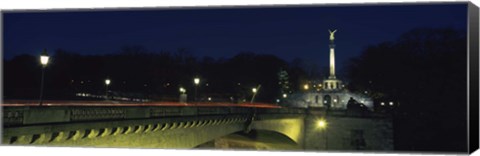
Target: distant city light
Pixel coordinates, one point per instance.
(391, 103)
(254, 90)
(325, 101)
(335, 100)
(278, 100)
(382, 103)
(209, 98)
(284, 95)
(107, 81)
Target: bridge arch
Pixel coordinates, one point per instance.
(291, 127)
(255, 139)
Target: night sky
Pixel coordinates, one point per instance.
(295, 32)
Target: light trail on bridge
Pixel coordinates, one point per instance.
(20, 103)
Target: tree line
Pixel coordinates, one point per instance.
(138, 72)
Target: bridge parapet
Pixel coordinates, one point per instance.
(18, 116)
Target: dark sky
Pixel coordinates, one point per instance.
(295, 32)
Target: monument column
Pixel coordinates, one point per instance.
(332, 54)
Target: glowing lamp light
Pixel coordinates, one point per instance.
(391, 103)
(382, 103)
(322, 124)
(325, 101)
(284, 95)
(107, 81)
(182, 90)
(209, 98)
(305, 86)
(254, 90)
(44, 58)
(335, 100)
(196, 81)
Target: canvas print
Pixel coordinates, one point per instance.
(320, 78)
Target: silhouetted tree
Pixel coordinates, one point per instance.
(425, 70)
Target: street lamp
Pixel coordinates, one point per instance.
(254, 91)
(305, 87)
(107, 82)
(322, 125)
(182, 90)
(196, 81)
(183, 96)
(44, 61)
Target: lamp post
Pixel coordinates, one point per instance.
(322, 124)
(44, 61)
(196, 81)
(183, 96)
(254, 91)
(182, 90)
(107, 82)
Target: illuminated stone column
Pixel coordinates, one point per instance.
(332, 54)
(332, 61)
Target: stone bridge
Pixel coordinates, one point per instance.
(175, 126)
(141, 126)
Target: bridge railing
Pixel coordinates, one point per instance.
(21, 116)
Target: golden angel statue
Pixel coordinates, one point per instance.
(332, 33)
